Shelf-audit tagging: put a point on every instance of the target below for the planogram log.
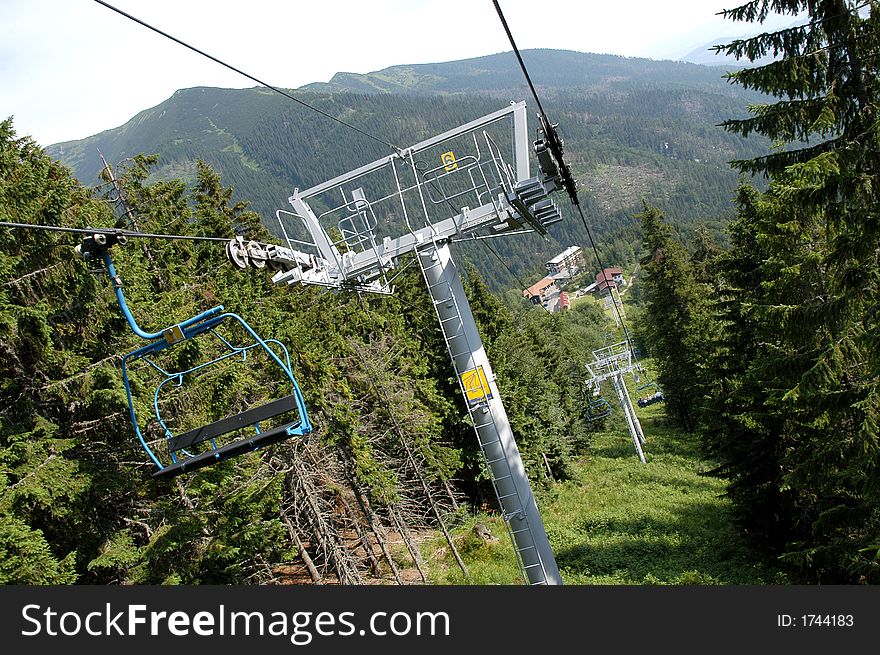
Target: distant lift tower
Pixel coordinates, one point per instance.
(469, 183)
(612, 363)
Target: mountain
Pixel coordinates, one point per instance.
(552, 71)
(705, 56)
(635, 129)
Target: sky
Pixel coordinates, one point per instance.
(72, 68)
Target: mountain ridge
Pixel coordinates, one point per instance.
(500, 72)
(635, 129)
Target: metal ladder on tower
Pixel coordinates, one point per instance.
(521, 518)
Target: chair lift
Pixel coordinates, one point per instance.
(656, 397)
(648, 399)
(193, 449)
(597, 407)
(646, 386)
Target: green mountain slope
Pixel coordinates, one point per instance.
(634, 128)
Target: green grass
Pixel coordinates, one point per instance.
(618, 521)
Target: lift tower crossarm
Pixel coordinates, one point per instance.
(489, 194)
(516, 109)
(351, 266)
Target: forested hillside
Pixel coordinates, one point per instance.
(634, 129)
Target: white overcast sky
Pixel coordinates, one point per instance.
(72, 68)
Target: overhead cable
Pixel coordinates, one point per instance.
(250, 77)
(554, 143)
(105, 230)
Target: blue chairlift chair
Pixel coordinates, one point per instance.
(654, 395)
(197, 448)
(596, 406)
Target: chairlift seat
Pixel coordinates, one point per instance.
(204, 323)
(597, 409)
(177, 444)
(230, 450)
(650, 400)
(232, 423)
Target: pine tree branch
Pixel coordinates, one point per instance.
(777, 162)
(32, 473)
(792, 77)
(791, 41)
(32, 274)
(757, 11)
(787, 121)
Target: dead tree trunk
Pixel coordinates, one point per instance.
(451, 494)
(401, 437)
(376, 527)
(320, 525)
(375, 568)
(411, 546)
(433, 505)
(314, 574)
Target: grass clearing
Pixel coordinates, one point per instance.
(618, 521)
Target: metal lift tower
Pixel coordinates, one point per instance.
(471, 182)
(612, 363)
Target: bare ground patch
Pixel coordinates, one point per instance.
(616, 187)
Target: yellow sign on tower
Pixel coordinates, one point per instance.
(449, 162)
(476, 386)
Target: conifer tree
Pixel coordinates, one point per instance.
(816, 253)
(677, 323)
(756, 357)
(48, 329)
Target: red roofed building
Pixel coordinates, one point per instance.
(564, 301)
(608, 279)
(540, 290)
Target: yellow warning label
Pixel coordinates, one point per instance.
(173, 334)
(476, 386)
(448, 160)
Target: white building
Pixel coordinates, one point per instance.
(567, 263)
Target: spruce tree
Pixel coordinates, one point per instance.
(815, 249)
(677, 323)
(53, 482)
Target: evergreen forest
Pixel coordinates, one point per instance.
(754, 301)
